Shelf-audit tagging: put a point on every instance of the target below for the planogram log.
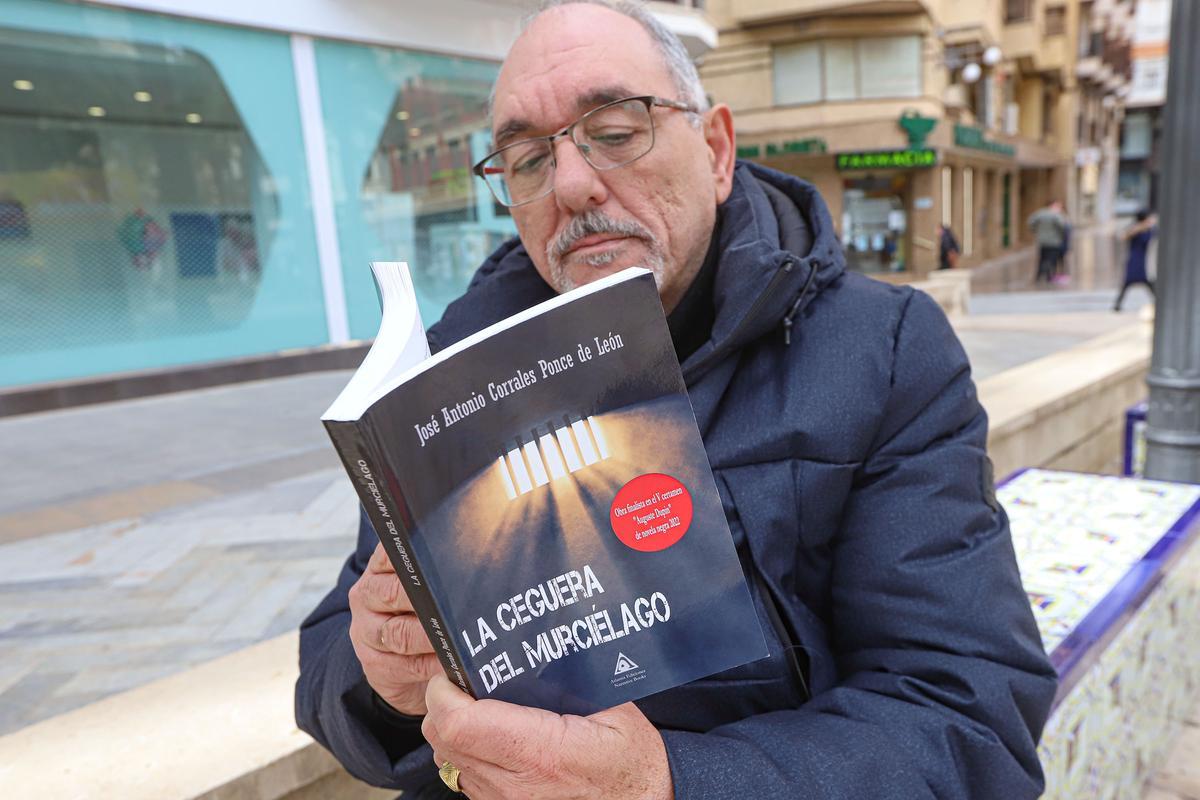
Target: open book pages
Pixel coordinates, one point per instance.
(399, 346)
(400, 350)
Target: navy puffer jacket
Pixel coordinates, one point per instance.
(848, 446)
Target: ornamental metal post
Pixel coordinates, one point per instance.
(1173, 422)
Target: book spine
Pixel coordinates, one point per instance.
(390, 518)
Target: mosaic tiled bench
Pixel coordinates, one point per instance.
(1112, 572)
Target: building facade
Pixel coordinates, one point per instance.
(191, 181)
(1141, 131)
(911, 113)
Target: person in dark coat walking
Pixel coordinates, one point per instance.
(1138, 236)
(847, 444)
(948, 250)
(1050, 229)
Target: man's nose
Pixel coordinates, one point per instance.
(577, 184)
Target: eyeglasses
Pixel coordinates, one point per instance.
(608, 136)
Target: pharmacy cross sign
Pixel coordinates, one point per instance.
(917, 128)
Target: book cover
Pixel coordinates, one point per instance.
(546, 499)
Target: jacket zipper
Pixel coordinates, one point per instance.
(761, 300)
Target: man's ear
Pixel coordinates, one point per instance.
(722, 150)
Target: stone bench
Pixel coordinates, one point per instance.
(1112, 569)
(221, 731)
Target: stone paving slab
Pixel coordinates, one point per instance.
(97, 610)
(84, 452)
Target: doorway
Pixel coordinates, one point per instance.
(875, 222)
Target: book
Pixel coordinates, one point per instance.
(543, 492)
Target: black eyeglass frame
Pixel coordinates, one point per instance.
(648, 100)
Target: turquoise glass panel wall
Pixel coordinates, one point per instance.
(402, 131)
(154, 205)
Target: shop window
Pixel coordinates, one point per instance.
(1006, 212)
(968, 199)
(874, 222)
(403, 130)
(1133, 188)
(157, 182)
(947, 197)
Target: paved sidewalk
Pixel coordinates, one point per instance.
(144, 537)
(1003, 331)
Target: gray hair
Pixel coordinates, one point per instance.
(674, 55)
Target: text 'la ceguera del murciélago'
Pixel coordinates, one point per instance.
(508, 386)
(592, 628)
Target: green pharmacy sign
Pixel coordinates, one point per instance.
(974, 138)
(781, 148)
(888, 159)
(917, 128)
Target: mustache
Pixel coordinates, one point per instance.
(591, 223)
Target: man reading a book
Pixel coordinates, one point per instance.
(846, 440)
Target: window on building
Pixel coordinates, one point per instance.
(1049, 105)
(1018, 10)
(798, 73)
(841, 69)
(1136, 135)
(1085, 30)
(968, 194)
(1056, 20)
(947, 197)
(890, 67)
(847, 69)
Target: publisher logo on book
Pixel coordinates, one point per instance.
(626, 672)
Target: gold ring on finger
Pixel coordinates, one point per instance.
(449, 775)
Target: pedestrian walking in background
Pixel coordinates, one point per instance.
(1139, 236)
(1049, 226)
(947, 248)
(1061, 274)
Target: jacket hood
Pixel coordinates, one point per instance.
(777, 251)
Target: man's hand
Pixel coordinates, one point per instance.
(396, 655)
(509, 751)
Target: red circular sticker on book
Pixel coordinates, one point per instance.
(651, 512)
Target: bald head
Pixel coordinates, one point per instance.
(675, 56)
(656, 211)
(561, 39)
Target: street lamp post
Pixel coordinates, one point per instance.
(1173, 423)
